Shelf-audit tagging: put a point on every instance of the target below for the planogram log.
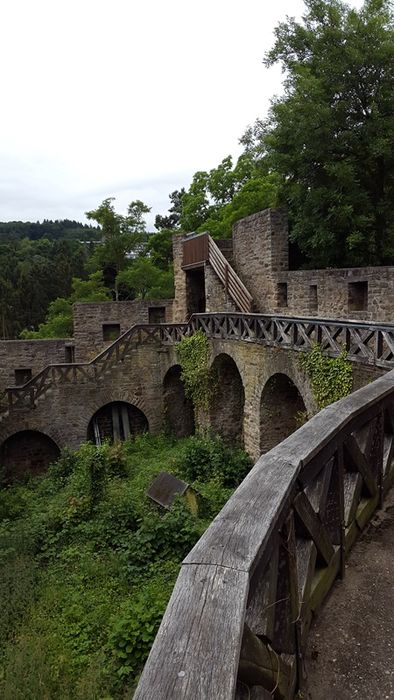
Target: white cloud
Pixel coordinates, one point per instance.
(127, 98)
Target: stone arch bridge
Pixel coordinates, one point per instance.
(135, 384)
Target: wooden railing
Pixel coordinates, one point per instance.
(26, 396)
(240, 612)
(202, 248)
(367, 343)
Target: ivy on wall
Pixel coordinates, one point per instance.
(197, 375)
(331, 377)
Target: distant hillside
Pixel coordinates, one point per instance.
(53, 230)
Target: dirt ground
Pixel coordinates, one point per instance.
(350, 652)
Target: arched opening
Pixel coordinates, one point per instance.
(227, 409)
(281, 410)
(117, 421)
(26, 452)
(179, 412)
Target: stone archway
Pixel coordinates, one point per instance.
(227, 409)
(117, 421)
(27, 452)
(179, 411)
(281, 409)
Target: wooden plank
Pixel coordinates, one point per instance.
(313, 527)
(365, 510)
(196, 651)
(352, 482)
(116, 422)
(353, 453)
(260, 613)
(317, 491)
(306, 562)
(260, 665)
(351, 534)
(323, 581)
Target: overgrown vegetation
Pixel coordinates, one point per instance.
(88, 562)
(197, 374)
(331, 377)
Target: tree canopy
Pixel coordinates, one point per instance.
(330, 137)
(122, 236)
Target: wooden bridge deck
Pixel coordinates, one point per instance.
(351, 645)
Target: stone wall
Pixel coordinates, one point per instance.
(365, 293)
(93, 322)
(141, 380)
(259, 253)
(216, 298)
(33, 355)
(180, 301)
(260, 250)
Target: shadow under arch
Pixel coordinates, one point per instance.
(117, 421)
(281, 406)
(26, 452)
(178, 409)
(227, 406)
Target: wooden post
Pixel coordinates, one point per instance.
(340, 482)
(116, 423)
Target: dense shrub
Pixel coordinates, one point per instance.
(87, 562)
(209, 458)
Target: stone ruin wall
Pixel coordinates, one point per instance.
(20, 359)
(33, 355)
(89, 319)
(260, 253)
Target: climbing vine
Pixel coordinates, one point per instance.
(197, 375)
(331, 377)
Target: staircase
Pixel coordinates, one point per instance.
(201, 249)
(26, 397)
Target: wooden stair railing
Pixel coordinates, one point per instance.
(25, 397)
(237, 623)
(202, 248)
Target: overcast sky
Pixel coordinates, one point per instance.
(126, 98)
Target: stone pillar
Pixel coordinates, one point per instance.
(180, 301)
(261, 254)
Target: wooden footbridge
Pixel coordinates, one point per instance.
(366, 343)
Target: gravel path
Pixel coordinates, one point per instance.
(351, 644)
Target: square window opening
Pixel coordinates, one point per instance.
(111, 331)
(282, 294)
(22, 376)
(313, 303)
(358, 296)
(157, 314)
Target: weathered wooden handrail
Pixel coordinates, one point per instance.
(366, 342)
(246, 594)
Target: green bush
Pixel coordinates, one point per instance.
(137, 623)
(207, 458)
(88, 561)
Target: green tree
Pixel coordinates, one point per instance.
(144, 280)
(159, 248)
(59, 319)
(218, 198)
(331, 135)
(121, 235)
(171, 221)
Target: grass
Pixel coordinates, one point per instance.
(88, 562)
